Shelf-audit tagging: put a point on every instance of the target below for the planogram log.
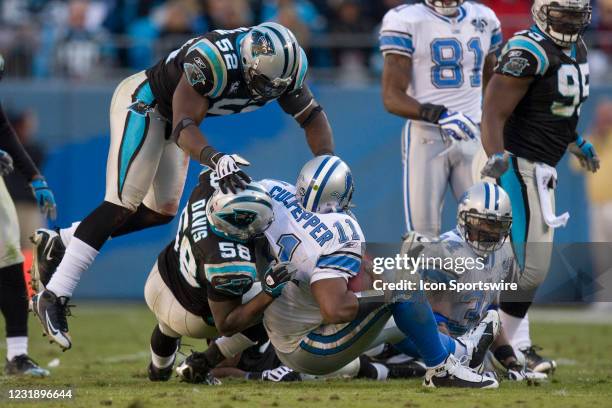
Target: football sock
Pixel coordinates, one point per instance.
(78, 257)
(16, 346)
(416, 320)
(374, 371)
(408, 347)
(516, 329)
(230, 346)
(66, 234)
(143, 218)
(213, 355)
(14, 301)
(163, 348)
(522, 338)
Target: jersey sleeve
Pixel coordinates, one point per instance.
(344, 263)
(226, 272)
(497, 37)
(522, 57)
(396, 35)
(205, 69)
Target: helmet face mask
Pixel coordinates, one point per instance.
(564, 21)
(485, 233)
(270, 57)
(445, 7)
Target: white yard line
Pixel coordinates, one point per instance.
(577, 316)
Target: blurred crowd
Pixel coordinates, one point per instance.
(85, 39)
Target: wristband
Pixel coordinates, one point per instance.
(431, 113)
(209, 156)
(186, 122)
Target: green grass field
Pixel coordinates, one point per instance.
(107, 367)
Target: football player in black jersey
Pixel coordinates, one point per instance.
(204, 283)
(531, 112)
(155, 118)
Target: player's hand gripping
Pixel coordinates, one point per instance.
(276, 277)
(497, 165)
(231, 177)
(457, 126)
(585, 152)
(6, 163)
(44, 197)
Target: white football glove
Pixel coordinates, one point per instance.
(458, 126)
(6, 163)
(231, 177)
(497, 165)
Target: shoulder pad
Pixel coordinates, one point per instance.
(526, 44)
(205, 68)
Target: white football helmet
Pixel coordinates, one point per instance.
(563, 21)
(240, 216)
(270, 59)
(325, 185)
(484, 217)
(445, 7)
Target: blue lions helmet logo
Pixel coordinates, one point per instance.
(262, 44)
(480, 24)
(239, 218)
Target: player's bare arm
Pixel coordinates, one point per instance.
(318, 130)
(397, 74)
(496, 110)
(336, 302)
(232, 317)
(188, 104)
(488, 70)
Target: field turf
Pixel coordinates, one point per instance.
(107, 367)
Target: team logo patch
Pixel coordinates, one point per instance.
(239, 218)
(199, 62)
(194, 74)
(234, 87)
(515, 66)
(480, 24)
(262, 44)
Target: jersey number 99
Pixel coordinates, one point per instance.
(574, 88)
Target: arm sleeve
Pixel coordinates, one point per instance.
(205, 69)
(396, 35)
(522, 57)
(10, 143)
(297, 101)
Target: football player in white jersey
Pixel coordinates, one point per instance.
(318, 325)
(484, 219)
(439, 55)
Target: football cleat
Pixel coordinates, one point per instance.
(407, 369)
(48, 252)
(24, 365)
(478, 340)
(281, 374)
(536, 362)
(196, 369)
(51, 311)
(159, 374)
(451, 373)
(516, 372)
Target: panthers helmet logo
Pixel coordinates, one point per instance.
(262, 44)
(239, 218)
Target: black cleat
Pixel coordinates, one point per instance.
(408, 369)
(536, 362)
(51, 311)
(196, 369)
(24, 365)
(159, 374)
(48, 252)
(451, 373)
(479, 339)
(281, 374)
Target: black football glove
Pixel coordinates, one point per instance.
(196, 370)
(276, 277)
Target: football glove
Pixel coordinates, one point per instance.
(280, 374)
(517, 372)
(585, 152)
(497, 165)
(229, 173)
(457, 126)
(44, 197)
(276, 277)
(6, 163)
(195, 369)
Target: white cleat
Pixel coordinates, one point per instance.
(451, 373)
(478, 340)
